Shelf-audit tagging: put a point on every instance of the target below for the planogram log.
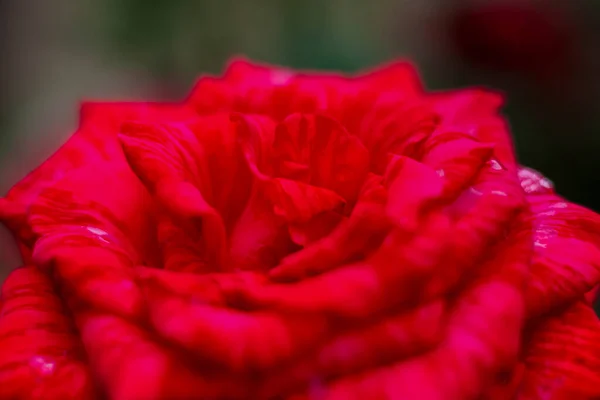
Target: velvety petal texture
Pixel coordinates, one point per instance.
(41, 355)
(290, 234)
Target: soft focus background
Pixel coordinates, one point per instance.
(544, 54)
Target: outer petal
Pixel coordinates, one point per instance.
(566, 262)
(94, 141)
(278, 92)
(241, 71)
(562, 356)
(240, 341)
(90, 237)
(398, 76)
(484, 349)
(482, 339)
(482, 214)
(266, 91)
(365, 347)
(476, 112)
(130, 364)
(41, 356)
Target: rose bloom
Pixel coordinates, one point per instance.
(298, 235)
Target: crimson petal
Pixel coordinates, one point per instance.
(562, 356)
(41, 356)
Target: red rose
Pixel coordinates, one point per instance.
(298, 235)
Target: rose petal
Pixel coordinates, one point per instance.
(381, 342)
(566, 261)
(483, 339)
(457, 158)
(197, 173)
(401, 76)
(91, 237)
(562, 356)
(317, 150)
(405, 175)
(260, 237)
(364, 288)
(476, 112)
(240, 341)
(298, 202)
(131, 365)
(41, 356)
(347, 241)
(219, 288)
(395, 126)
(94, 141)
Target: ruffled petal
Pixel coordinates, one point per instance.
(260, 238)
(90, 237)
(179, 251)
(484, 333)
(405, 175)
(255, 137)
(198, 174)
(361, 348)
(482, 214)
(562, 356)
(483, 348)
(398, 76)
(240, 341)
(297, 202)
(218, 288)
(476, 112)
(457, 158)
(130, 364)
(318, 150)
(242, 71)
(355, 237)
(41, 356)
(566, 262)
(203, 153)
(279, 92)
(395, 126)
(94, 141)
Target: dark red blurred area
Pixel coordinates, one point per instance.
(516, 37)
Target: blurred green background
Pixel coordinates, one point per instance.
(544, 54)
